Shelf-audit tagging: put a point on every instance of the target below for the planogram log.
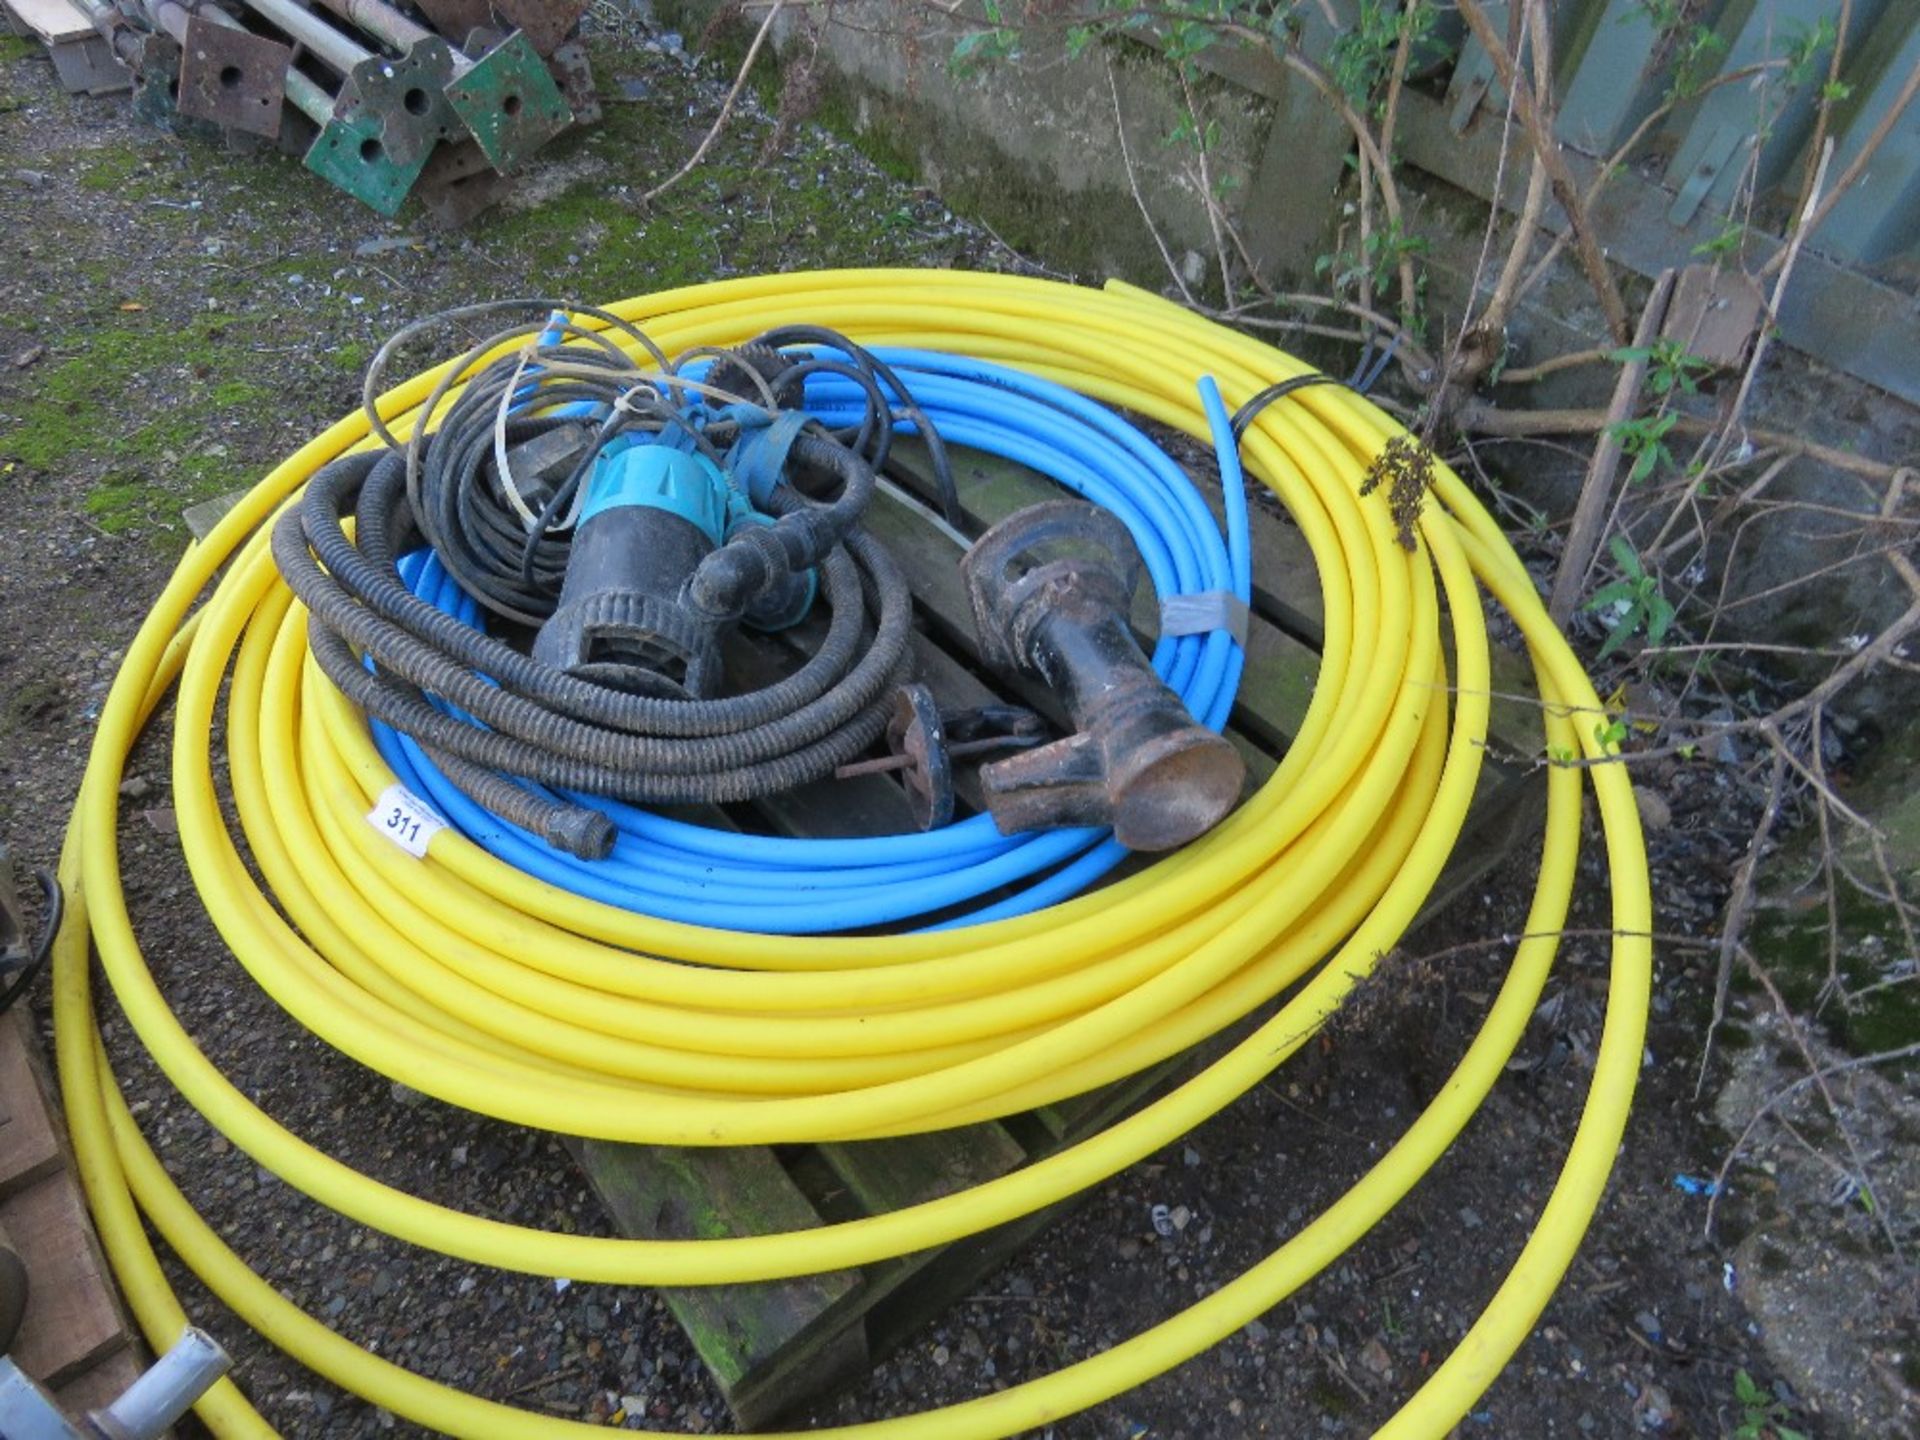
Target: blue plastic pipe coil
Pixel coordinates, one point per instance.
(778, 885)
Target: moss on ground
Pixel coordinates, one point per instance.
(1794, 948)
(13, 48)
(158, 460)
(199, 382)
(111, 170)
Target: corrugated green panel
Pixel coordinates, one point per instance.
(1616, 65)
(1613, 64)
(1878, 218)
(1743, 125)
(1473, 76)
(1473, 86)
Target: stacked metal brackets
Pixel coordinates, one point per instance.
(378, 102)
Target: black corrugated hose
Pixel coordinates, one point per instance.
(542, 724)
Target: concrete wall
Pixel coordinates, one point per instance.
(1034, 148)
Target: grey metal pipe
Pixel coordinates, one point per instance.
(306, 96)
(167, 1391)
(26, 1411)
(381, 21)
(168, 15)
(144, 1410)
(112, 27)
(339, 52)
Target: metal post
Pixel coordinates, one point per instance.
(126, 43)
(167, 1391)
(309, 99)
(307, 30)
(383, 22)
(143, 1411)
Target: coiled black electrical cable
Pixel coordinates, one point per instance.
(53, 899)
(505, 541)
(492, 716)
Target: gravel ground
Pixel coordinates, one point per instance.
(173, 318)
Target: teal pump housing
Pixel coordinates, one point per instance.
(650, 512)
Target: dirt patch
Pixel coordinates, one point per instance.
(1818, 1265)
(197, 314)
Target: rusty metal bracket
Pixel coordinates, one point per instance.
(1051, 587)
(405, 99)
(573, 69)
(914, 733)
(350, 150)
(459, 184)
(231, 77)
(155, 60)
(546, 23)
(922, 745)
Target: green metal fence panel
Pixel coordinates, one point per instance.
(1614, 66)
(1878, 218)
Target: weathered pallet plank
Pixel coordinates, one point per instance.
(73, 1319)
(747, 1335)
(201, 519)
(883, 1175)
(73, 1326)
(892, 1174)
(54, 21)
(81, 57)
(29, 1146)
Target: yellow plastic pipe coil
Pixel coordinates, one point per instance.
(472, 982)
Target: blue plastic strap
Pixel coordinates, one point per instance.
(758, 459)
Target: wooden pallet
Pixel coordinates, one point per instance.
(82, 58)
(75, 1339)
(773, 1346)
